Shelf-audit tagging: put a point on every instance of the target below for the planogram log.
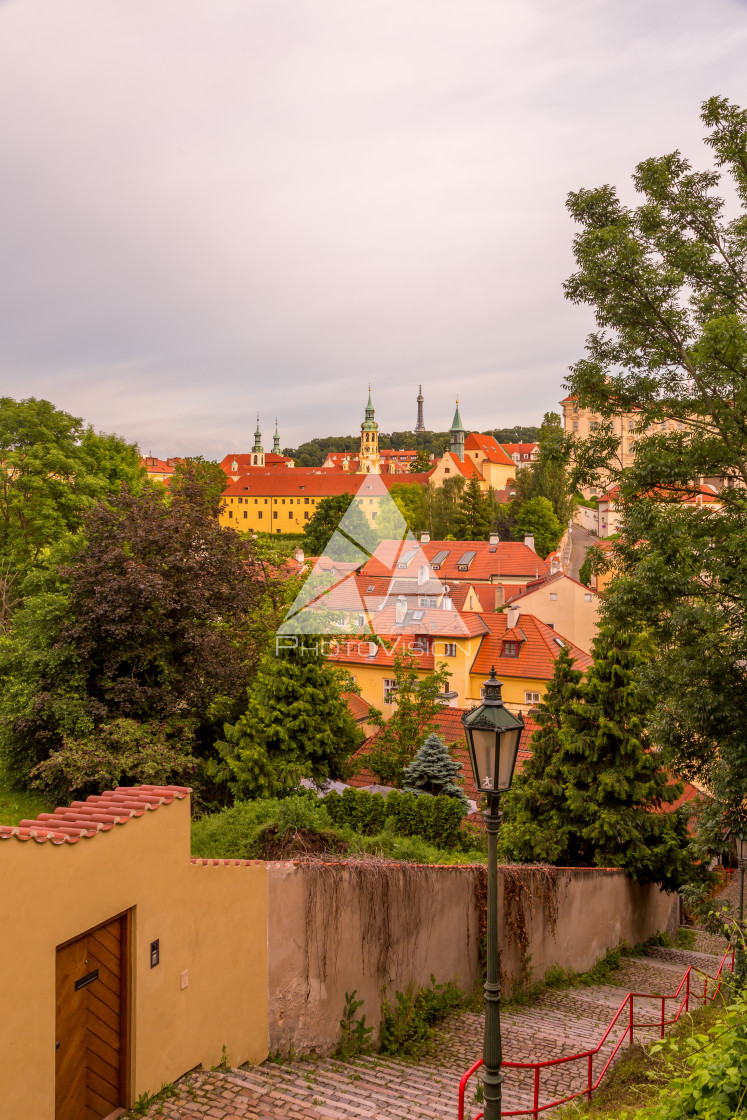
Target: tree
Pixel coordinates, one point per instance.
(584, 572)
(54, 470)
(667, 280)
(416, 707)
(422, 462)
(205, 472)
(537, 517)
(534, 808)
(356, 530)
(296, 725)
(441, 508)
(551, 476)
(163, 606)
(434, 771)
(600, 799)
(475, 512)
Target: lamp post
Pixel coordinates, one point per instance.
(741, 842)
(493, 735)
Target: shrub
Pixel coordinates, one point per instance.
(406, 1025)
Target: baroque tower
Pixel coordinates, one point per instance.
(458, 433)
(369, 455)
(258, 451)
(276, 440)
(420, 426)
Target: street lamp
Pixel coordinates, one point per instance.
(493, 734)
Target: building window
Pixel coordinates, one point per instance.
(446, 470)
(531, 697)
(390, 687)
(587, 597)
(449, 649)
(575, 408)
(575, 425)
(427, 602)
(290, 515)
(275, 516)
(510, 649)
(259, 514)
(631, 446)
(245, 514)
(630, 425)
(306, 515)
(306, 501)
(230, 513)
(553, 595)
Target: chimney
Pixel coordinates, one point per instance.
(298, 555)
(500, 596)
(424, 538)
(512, 617)
(494, 538)
(529, 541)
(424, 574)
(555, 564)
(400, 609)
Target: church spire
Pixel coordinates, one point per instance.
(276, 439)
(257, 439)
(370, 462)
(458, 432)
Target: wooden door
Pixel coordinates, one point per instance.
(91, 1051)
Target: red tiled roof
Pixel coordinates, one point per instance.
(507, 560)
(465, 467)
(353, 652)
(520, 448)
(98, 813)
(448, 724)
(490, 448)
(537, 654)
(309, 482)
(685, 495)
(536, 584)
(357, 706)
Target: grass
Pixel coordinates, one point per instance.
(635, 1080)
(17, 805)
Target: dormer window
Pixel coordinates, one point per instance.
(510, 649)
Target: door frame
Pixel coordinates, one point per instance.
(125, 1028)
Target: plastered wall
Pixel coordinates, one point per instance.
(334, 928)
(210, 920)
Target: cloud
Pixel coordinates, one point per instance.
(210, 209)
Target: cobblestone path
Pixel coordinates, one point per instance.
(376, 1088)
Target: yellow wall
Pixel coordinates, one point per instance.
(513, 692)
(570, 613)
(211, 921)
(250, 514)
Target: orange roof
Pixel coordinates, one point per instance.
(448, 724)
(466, 467)
(99, 813)
(537, 653)
(536, 584)
(686, 494)
(520, 448)
(244, 463)
(490, 448)
(308, 482)
(352, 651)
(357, 706)
(506, 560)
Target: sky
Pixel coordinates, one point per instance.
(213, 208)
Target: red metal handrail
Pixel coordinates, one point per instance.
(592, 1085)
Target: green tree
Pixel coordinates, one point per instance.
(667, 280)
(537, 517)
(206, 473)
(55, 469)
(551, 473)
(434, 771)
(601, 799)
(354, 532)
(584, 572)
(296, 725)
(441, 508)
(421, 462)
(416, 706)
(473, 520)
(534, 809)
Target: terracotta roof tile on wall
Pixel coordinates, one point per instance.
(98, 813)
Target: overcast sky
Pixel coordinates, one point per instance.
(210, 208)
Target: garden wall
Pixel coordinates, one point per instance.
(370, 926)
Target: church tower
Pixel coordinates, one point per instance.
(258, 451)
(369, 456)
(276, 440)
(458, 433)
(420, 426)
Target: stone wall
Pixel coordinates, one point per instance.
(375, 927)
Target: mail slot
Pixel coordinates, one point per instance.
(86, 980)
